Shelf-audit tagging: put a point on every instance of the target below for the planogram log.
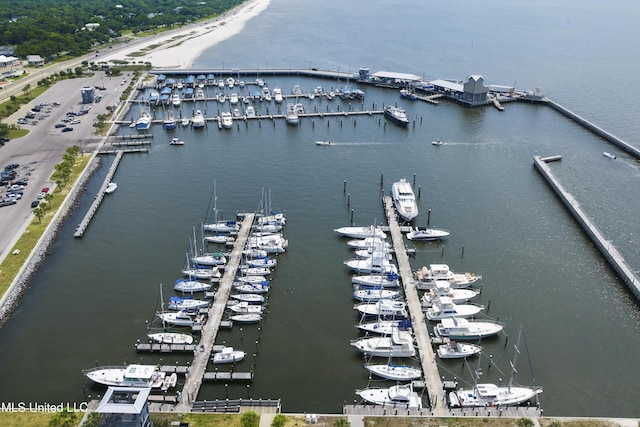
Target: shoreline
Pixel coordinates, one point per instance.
(186, 44)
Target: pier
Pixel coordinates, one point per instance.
(96, 203)
(606, 247)
(427, 357)
(197, 375)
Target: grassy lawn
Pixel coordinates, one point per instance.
(25, 419)
(13, 263)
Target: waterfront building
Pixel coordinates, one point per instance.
(125, 406)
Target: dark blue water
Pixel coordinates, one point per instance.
(93, 296)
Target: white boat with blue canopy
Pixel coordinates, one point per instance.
(252, 288)
(394, 372)
(191, 286)
(390, 280)
(385, 327)
(178, 303)
(373, 294)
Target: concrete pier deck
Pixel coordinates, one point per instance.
(194, 379)
(427, 356)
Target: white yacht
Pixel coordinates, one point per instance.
(404, 200)
(424, 233)
(397, 396)
(228, 355)
(398, 344)
(198, 120)
(292, 115)
(226, 120)
(129, 376)
(361, 232)
(426, 277)
(466, 330)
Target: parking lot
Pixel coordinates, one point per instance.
(37, 153)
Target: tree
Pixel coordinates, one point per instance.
(525, 422)
(48, 197)
(250, 419)
(26, 90)
(342, 422)
(64, 418)
(39, 212)
(279, 421)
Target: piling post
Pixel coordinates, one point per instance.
(462, 255)
(381, 179)
(351, 216)
(344, 186)
(428, 217)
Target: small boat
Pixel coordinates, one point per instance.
(250, 288)
(111, 187)
(277, 95)
(216, 258)
(169, 123)
(397, 396)
(385, 327)
(396, 115)
(226, 120)
(437, 142)
(424, 233)
(395, 372)
(253, 279)
(244, 307)
(377, 280)
(190, 286)
(233, 98)
(144, 121)
(292, 115)
(385, 308)
(456, 350)
(177, 303)
(221, 97)
(250, 112)
(376, 264)
(261, 262)
(230, 226)
(175, 100)
(398, 344)
(361, 232)
(246, 318)
(185, 121)
(609, 155)
(466, 330)
(368, 242)
(176, 141)
(323, 142)
(220, 238)
(443, 307)
(129, 376)
(198, 120)
(373, 295)
(404, 200)
(171, 338)
(249, 298)
(426, 277)
(228, 355)
(202, 273)
(254, 271)
(181, 318)
(170, 381)
(408, 94)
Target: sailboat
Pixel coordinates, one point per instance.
(218, 225)
(488, 394)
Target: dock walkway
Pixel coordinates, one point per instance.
(427, 357)
(99, 197)
(196, 375)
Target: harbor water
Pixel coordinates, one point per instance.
(94, 297)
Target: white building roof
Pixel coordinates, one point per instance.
(123, 400)
(4, 58)
(458, 87)
(396, 76)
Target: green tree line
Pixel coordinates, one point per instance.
(53, 27)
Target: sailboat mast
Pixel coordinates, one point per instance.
(515, 358)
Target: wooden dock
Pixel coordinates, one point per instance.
(99, 197)
(201, 357)
(427, 357)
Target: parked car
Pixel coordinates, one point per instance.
(4, 203)
(75, 122)
(41, 196)
(45, 190)
(67, 129)
(35, 203)
(60, 125)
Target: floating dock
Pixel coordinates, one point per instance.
(99, 197)
(427, 357)
(605, 246)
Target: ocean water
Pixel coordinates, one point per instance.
(94, 297)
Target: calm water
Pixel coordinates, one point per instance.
(93, 297)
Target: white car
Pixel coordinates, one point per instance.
(41, 196)
(75, 122)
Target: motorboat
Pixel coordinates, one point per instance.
(323, 142)
(466, 330)
(233, 98)
(396, 115)
(254, 271)
(181, 318)
(373, 294)
(178, 303)
(427, 277)
(201, 273)
(111, 187)
(176, 141)
(243, 307)
(175, 100)
(277, 95)
(216, 258)
(169, 381)
(198, 120)
(226, 120)
(609, 155)
(384, 309)
(254, 253)
(296, 91)
(398, 344)
(148, 376)
(404, 200)
(425, 233)
(381, 251)
(385, 327)
(169, 123)
(171, 338)
(408, 94)
(144, 121)
(246, 318)
(250, 112)
(442, 289)
(252, 279)
(443, 307)
(397, 396)
(361, 232)
(368, 242)
(292, 115)
(390, 280)
(221, 97)
(185, 121)
(376, 264)
(249, 298)
(437, 142)
(261, 262)
(457, 350)
(190, 286)
(274, 244)
(395, 372)
(220, 238)
(228, 355)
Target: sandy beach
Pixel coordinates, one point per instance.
(180, 48)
